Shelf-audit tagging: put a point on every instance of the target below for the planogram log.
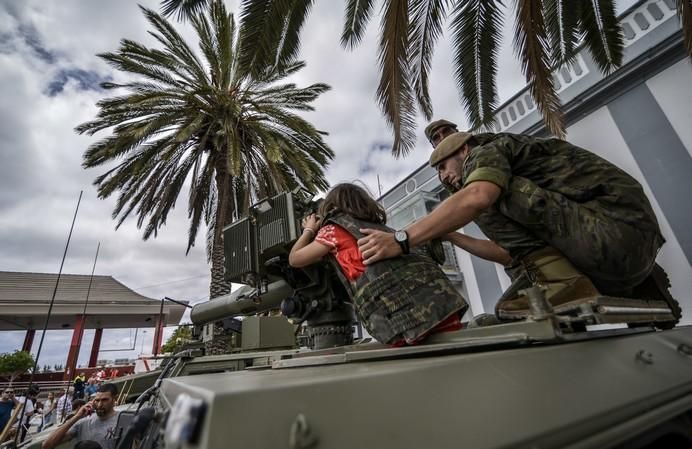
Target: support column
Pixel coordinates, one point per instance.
(73, 355)
(28, 340)
(95, 347)
(158, 335)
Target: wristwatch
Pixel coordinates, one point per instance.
(401, 238)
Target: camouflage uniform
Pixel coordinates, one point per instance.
(401, 298)
(557, 194)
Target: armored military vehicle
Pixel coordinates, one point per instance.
(612, 373)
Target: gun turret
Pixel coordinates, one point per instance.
(244, 301)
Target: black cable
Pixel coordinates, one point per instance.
(91, 279)
(177, 302)
(45, 325)
(86, 302)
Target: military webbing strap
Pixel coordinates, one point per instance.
(348, 285)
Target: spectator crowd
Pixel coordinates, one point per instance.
(40, 414)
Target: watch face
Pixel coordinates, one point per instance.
(400, 236)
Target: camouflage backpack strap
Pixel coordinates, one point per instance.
(348, 285)
(354, 225)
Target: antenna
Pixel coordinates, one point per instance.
(73, 367)
(45, 325)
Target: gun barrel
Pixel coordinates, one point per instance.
(243, 301)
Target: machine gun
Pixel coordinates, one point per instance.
(256, 249)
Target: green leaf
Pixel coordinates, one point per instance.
(357, 16)
(602, 33)
(476, 31)
(424, 31)
(394, 92)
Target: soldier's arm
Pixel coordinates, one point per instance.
(453, 213)
(485, 249)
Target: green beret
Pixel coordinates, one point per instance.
(449, 145)
(432, 127)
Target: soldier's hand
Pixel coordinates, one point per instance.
(377, 245)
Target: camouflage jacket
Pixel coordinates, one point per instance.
(558, 166)
(400, 298)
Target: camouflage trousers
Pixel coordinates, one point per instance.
(615, 255)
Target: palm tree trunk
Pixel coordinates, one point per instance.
(220, 342)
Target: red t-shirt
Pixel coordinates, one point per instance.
(344, 247)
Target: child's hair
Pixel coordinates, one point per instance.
(352, 200)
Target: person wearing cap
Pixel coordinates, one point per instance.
(570, 220)
(438, 130)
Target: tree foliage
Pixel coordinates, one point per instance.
(227, 126)
(13, 365)
(177, 340)
(548, 33)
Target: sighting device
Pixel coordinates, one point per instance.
(256, 249)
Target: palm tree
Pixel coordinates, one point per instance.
(548, 33)
(232, 134)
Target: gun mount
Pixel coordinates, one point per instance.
(256, 249)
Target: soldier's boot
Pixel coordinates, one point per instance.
(562, 283)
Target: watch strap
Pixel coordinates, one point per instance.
(405, 248)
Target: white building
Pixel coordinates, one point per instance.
(639, 118)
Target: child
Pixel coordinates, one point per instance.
(399, 301)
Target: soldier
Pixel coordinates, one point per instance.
(435, 132)
(575, 223)
(438, 130)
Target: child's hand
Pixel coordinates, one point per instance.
(311, 222)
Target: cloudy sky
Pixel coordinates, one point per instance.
(49, 79)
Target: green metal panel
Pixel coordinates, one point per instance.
(261, 332)
(583, 393)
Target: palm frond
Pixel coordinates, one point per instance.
(685, 13)
(357, 16)
(175, 45)
(289, 40)
(262, 24)
(204, 122)
(530, 41)
(562, 26)
(184, 9)
(476, 30)
(602, 33)
(424, 31)
(394, 92)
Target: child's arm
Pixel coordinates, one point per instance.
(305, 251)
